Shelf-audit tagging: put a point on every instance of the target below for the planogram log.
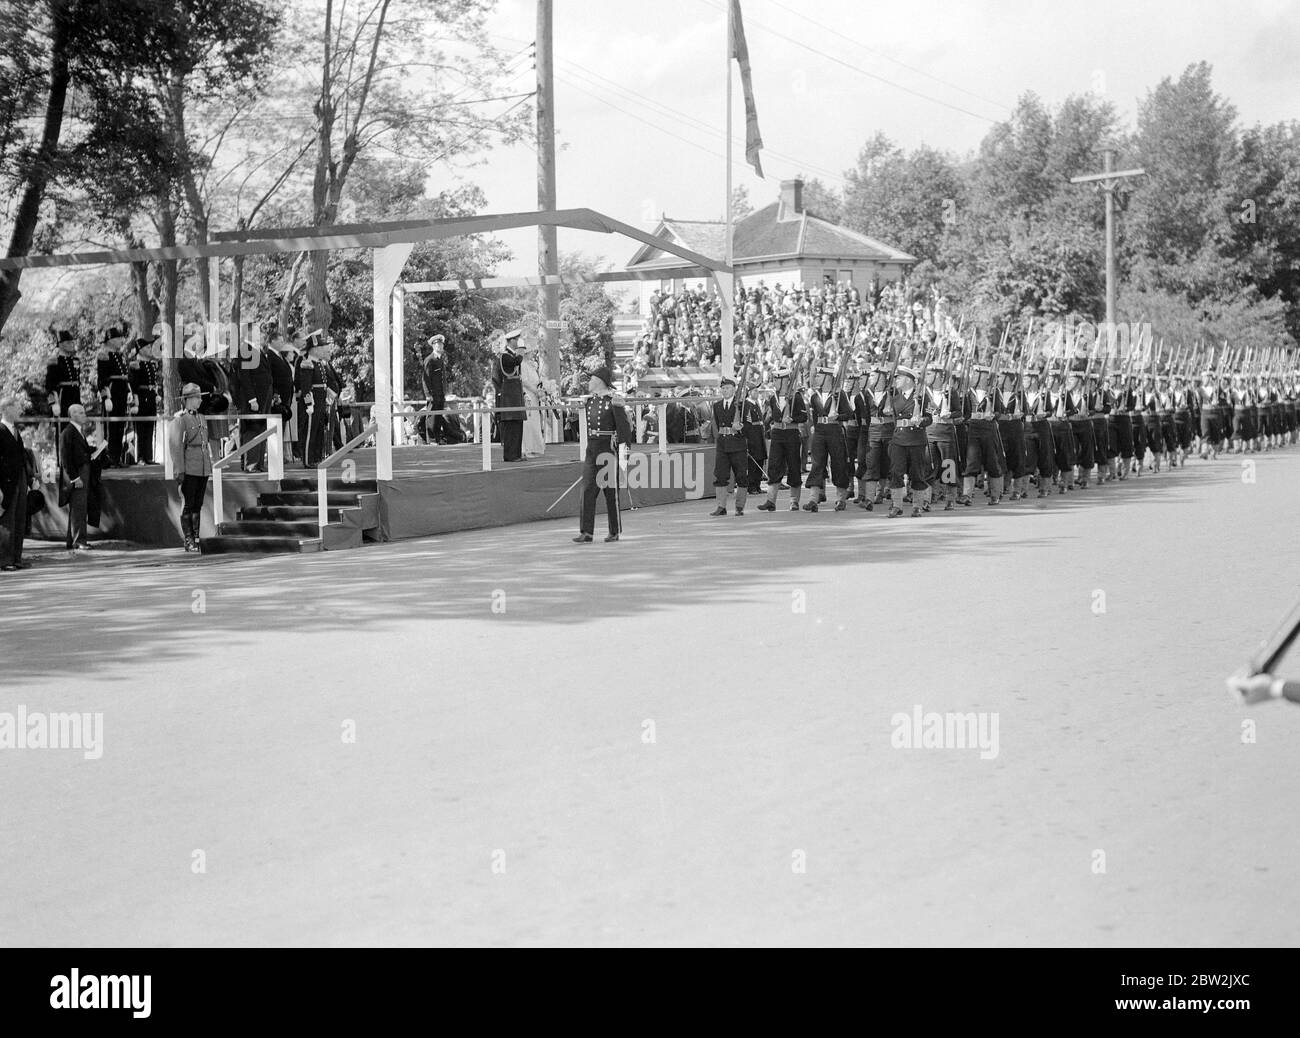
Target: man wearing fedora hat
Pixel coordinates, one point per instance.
(508, 386)
(16, 480)
(113, 381)
(191, 461)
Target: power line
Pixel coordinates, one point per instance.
(856, 68)
(668, 110)
(880, 53)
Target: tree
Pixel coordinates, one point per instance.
(32, 165)
(822, 201)
(139, 157)
(365, 98)
(1186, 141)
(904, 200)
(740, 204)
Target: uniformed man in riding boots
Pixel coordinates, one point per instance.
(786, 410)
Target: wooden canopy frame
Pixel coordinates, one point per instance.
(392, 243)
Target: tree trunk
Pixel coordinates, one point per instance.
(237, 290)
(169, 277)
(290, 287)
(41, 171)
(193, 198)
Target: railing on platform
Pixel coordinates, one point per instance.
(483, 418)
(275, 448)
(322, 471)
(273, 437)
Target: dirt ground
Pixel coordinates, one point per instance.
(688, 737)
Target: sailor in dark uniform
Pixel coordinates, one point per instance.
(785, 412)
(907, 451)
(507, 381)
(113, 381)
(984, 451)
(731, 420)
(873, 468)
(63, 376)
(607, 427)
(313, 393)
(828, 410)
(146, 387)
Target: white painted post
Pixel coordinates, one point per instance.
(485, 438)
(218, 501)
(399, 358)
(388, 262)
(169, 470)
(322, 505)
(663, 428)
(275, 449)
(582, 431)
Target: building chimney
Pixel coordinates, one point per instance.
(791, 199)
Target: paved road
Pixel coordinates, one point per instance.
(503, 789)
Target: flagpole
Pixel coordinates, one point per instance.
(728, 321)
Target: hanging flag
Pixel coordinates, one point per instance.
(740, 51)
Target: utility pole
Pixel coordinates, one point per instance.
(1108, 180)
(548, 257)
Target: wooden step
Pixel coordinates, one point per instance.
(271, 528)
(359, 486)
(293, 513)
(259, 545)
(303, 497)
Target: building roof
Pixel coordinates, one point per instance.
(766, 234)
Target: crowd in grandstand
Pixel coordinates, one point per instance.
(771, 322)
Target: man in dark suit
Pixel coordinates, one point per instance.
(281, 383)
(434, 378)
(75, 457)
(254, 388)
(16, 475)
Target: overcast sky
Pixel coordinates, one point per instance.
(640, 103)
